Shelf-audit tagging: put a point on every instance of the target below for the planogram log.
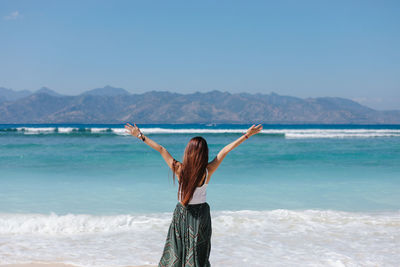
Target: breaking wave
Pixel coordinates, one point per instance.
(286, 133)
(240, 238)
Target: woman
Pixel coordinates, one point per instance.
(189, 236)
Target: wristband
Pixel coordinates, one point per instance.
(141, 136)
(245, 135)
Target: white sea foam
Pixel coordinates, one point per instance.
(34, 130)
(119, 131)
(97, 130)
(239, 238)
(287, 133)
(341, 133)
(66, 129)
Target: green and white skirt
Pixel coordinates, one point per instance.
(189, 237)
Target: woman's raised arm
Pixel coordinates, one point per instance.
(135, 131)
(213, 165)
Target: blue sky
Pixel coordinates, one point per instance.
(302, 48)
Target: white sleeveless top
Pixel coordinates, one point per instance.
(200, 193)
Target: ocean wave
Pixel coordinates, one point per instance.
(240, 238)
(286, 133)
(83, 223)
(73, 224)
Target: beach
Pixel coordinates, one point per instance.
(53, 265)
(38, 265)
(308, 195)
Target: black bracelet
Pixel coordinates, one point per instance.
(141, 136)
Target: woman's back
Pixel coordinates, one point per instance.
(200, 193)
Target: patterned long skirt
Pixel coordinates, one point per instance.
(189, 237)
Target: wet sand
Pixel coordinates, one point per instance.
(57, 265)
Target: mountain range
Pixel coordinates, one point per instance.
(117, 105)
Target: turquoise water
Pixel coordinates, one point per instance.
(103, 171)
(90, 195)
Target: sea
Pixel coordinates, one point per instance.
(293, 195)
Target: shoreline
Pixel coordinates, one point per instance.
(33, 264)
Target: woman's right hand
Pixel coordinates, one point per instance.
(254, 130)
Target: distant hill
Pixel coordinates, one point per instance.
(48, 91)
(116, 105)
(11, 95)
(107, 91)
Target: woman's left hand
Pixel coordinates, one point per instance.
(132, 130)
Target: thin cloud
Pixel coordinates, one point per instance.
(13, 15)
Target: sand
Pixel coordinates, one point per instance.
(55, 265)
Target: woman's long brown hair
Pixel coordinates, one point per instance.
(193, 168)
